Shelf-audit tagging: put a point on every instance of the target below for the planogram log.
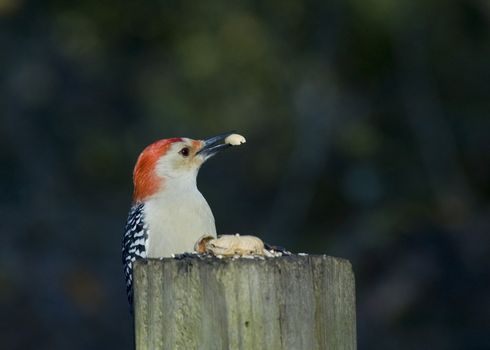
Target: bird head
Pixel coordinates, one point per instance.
(173, 163)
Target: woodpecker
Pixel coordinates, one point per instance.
(169, 214)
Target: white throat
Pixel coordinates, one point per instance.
(177, 217)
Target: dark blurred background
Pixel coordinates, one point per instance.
(368, 138)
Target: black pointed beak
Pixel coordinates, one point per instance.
(213, 145)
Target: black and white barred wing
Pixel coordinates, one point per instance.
(135, 236)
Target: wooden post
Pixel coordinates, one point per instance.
(291, 302)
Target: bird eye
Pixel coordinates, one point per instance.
(184, 151)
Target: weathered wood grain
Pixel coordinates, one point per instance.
(292, 302)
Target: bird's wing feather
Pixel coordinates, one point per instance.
(133, 245)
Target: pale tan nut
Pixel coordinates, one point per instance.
(235, 140)
(200, 245)
(230, 245)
